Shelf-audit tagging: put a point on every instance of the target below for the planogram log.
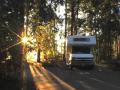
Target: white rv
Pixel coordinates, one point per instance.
(79, 50)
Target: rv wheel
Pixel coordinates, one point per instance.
(71, 67)
(91, 66)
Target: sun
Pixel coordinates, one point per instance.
(24, 39)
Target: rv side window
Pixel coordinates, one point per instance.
(80, 50)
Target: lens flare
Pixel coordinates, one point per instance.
(24, 39)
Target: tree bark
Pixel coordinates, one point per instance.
(38, 55)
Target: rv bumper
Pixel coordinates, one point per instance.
(81, 63)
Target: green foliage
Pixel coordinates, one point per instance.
(11, 24)
(42, 21)
(11, 20)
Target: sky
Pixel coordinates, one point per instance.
(60, 40)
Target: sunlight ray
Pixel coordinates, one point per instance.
(69, 87)
(11, 46)
(14, 33)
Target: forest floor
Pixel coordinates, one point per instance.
(10, 78)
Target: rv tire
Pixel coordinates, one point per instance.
(91, 66)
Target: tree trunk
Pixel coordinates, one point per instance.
(72, 16)
(38, 55)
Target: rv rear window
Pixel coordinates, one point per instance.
(81, 39)
(81, 50)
